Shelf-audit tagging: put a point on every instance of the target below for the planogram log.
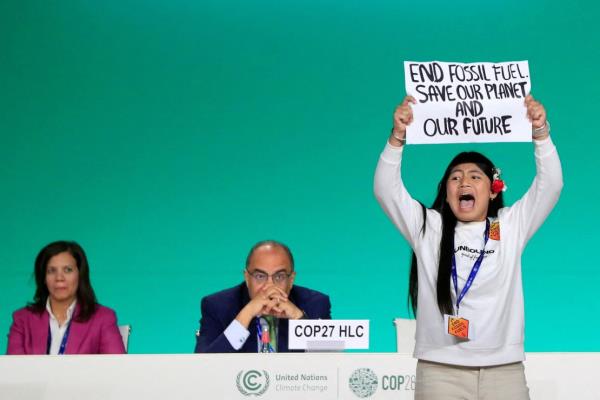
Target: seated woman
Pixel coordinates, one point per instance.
(64, 317)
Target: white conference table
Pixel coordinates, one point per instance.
(269, 376)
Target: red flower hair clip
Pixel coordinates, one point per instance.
(498, 184)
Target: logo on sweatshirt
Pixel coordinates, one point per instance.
(495, 230)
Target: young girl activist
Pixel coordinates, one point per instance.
(465, 279)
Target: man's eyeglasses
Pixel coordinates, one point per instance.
(262, 277)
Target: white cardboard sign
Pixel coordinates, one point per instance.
(328, 334)
(464, 103)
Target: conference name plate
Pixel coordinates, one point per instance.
(328, 334)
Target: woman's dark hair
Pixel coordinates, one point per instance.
(444, 297)
(86, 299)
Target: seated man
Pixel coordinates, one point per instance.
(253, 316)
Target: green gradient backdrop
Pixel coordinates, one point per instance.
(168, 137)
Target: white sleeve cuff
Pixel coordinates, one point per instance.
(236, 334)
(392, 154)
(543, 147)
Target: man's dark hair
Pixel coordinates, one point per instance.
(272, 243)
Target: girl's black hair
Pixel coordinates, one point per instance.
(86, 298)
(444, 298)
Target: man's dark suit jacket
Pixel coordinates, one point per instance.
(221, 308)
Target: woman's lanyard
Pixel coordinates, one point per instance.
(63, 343)
(474, 270)
(264, 339)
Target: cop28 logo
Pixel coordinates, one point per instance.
(363, 382)
(253, 382)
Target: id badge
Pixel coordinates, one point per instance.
(458, 327)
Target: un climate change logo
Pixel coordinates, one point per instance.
(363, 382)
(252, 383)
